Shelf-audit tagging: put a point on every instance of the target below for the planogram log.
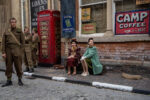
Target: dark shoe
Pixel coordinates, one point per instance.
(8, 83)
(20, 83)
(35, 66)
(31, 70)
(26, 70)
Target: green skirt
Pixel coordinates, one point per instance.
(89, 62)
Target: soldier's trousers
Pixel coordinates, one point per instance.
(13, 56)
(28, 57)
(34, 57)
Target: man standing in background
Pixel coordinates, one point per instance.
(28, 51)
(35, 47)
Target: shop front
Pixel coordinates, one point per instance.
(120, 29)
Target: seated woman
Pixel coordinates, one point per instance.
(90, 59)
(73, 57)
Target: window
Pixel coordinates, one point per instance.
(97, 14)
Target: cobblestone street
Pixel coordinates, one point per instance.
(40, 89)
(112, 77)
(74, 49)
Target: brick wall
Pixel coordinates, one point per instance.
(129, 53)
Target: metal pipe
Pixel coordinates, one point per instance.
(22, 16)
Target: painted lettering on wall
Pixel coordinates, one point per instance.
(36, 6)
(38, 3)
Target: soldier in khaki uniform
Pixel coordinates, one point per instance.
(28, 51)
(12, 44)
(35, 47)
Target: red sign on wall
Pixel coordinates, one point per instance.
(89, 28)
(133, 22)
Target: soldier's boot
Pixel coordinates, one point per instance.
(27, 69)
(8, 83)
(31, 70)
(35, 66)
(20, 83)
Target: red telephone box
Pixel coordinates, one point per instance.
(50, 37)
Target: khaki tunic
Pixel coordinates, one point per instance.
(13, 51)
(35, 49)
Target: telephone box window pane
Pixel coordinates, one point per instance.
(45, 42)
(44, 54)
(44, 37)
(44, 28)
(44, 32)
(44, 46)
(44, 23)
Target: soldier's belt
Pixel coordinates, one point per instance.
(12, 44)
(27, 45)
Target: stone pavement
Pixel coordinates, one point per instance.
(41, 89)
(111, 76)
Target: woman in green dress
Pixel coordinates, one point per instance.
(90, 59)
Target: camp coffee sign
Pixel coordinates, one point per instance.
(132, 22)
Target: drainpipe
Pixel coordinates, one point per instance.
(52, 4)
(22, 16)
